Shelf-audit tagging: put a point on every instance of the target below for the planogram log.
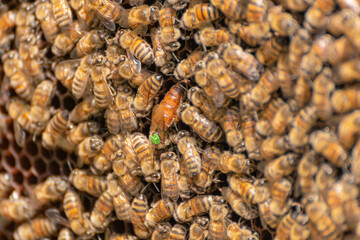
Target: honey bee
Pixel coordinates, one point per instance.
(36, 228)
(94, 39)
(337, 20)
(287, 223)
(295, 5)
(218, 216)
(103, 160)
(7, 21)
(252, 34)
(315, 19)
(124, 100)
(139, 209)
(129, 68)
(198, 229)
(65, 234)
(325, 178)
(122, 237)
(88, 149)
(263, 126)
(346, 72)
(107, 11)
(121, 203)
(270, 52)
(65, 71)
(234, 231)
(25, 22)
(169, 175)
(165, 114)
(51, 190)
(306, 171)
(127, 152)
(47, 20)
(251, 139)
(83, 11)
(177, 232)
(169, 33)
(112, 119)
(348, 129)
(232, 10)
(302, 92)
(62, 13)
(351, 205)
(345, 100)
(146, 93)
(185, 68)
(77, 134)
(237, 163)
(185, 183)
(242, 187)
(238, 205)
(177, 4)
(22, 85)
(17, 208)
(280, 191)
(341, 49)
(327, 144)
(281, 22)
(244, 63)
(55, 129)
(351, 29)
(256, 11)
(137, 46)
(280, 167)
(355, 160)
(162, 56)
(298, 46)
(130, 183)
(205, 128)
(300, 230)
(6, 181)
(162, 231)
(186, 211)
(215, 68)
(138, 15)
(161, 210)
(272, 147)
(209, 37)
(65, 41)
(318, 216)
(84, 182)
(199, 15)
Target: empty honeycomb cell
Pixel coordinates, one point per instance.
(55, 102)
(45, 153)
(10, 160)
(31, 148)
(25, 163)
(60, 154)
(32, 180)
(54, 168)
(4, 143)
(69, 103)
(61, 89)
(18, 178)
(40, 165)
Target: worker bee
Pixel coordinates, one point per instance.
(256, 11)
(205, 128)
(288, 222)
(199, 15)
(345, 100)
(138, 15)
(162, 56)
(161, 231)
(62, 13)
(327, 144)
(298, 46)
(351, 29)
(88, 149)
(47, 20)
(341, 49)
(124, 100)
(161, 210)
(270, 52)
(281, 22)
(65, 71)
(128, 153)
(6, 181)
(177, 232)
(94, 39)
(295, 5)
(169, 175)
(336, 21)
(347, 72)
(55, 129)
(146, 93)
(234, 231)
(7, 21)
(242, 187)
(280, 191)
(315, 19)
(232, 10)
(139, 209)
(84, 182)
(76, 134)
(251, 139)
(186, 211)
(348, 129)
(16, 208)
(185, 68)
(169, 33)
(122, 237)
(65, 41)
(120, 201)
(300, 230)
(209, 36)
(273, 146)
(65, 234)
(185, 183)
(261, 93)
(22, 85)
(198, 229)
(25, 21)
(165, 114)
(325, 178)
(51, 190)
(218, 217)
(103, 160)
(244, 63)
(137, 46)
(83, 11)
(280, 167)
(237, 163)
(238, 205)
(129, 68)
(107, 11)
(252, 34)
(306, 171)
(36, 228)
(283, 118)
(112, 118)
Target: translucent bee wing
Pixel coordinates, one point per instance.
(107, 23)
(20, 134)
(54, 215)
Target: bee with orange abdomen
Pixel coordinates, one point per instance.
(336, 21)
(128, 153)
(251, 139)
(47, 20)
(169, 32)
(130, 183)
(306, 171)
(244, 63)
(36, 228)
(280, 191)
(263, 200)
(65, 41)
(325, 178)
(128, 67)
(62, 13)
(107, 11)
(122, 237)
(209, 37)
(7, 21)
(85, 182)
(242, 187)
(280, 167)
(161, 231)
(76, 134)
(178, 232)
(92, 40)
(186, 67)
(137, 46)
(83, 11)
(315, 19)
(218, 221)
(126, 116)
(234, 231)
(273, 146)
(205, 128)
(283, 118)
(12, 63)
(252, 34)
(347, 72)
(170, 167)
(65, 234)
(341, 49)
(55, 128)
(16, 208)
(138, 15)
(103, 160)
(300, 230)
(349, 129)
(284, 75)
(112, 119)
(256, 11)
(25, 21)
(231, 9)
(282, 23)
(298, 46)
(237, 163)
(345, 100)
(295, 5)
(64, 71)
(161, 210)
(199, 15)
(22, 85)
(351, 29)
(302, 91)
(270, 52)
(88, 149)
(52, 189)
(287, 223)
(238, 205)
(146, 93)
(120, 201)
(139, 209)
(328, 145)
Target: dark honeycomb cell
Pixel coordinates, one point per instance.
(54, 168)
(18, 178)
(55, 102)
(32, 180)
(31, 148)
(61, 155)
(69, 103)
(10, 160)
(25, 163)
(40, 165)
(4, 143)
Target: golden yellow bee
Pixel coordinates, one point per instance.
(237, 163)
(92, 40)
(300, 230)
(138, 15)
(88, 149)
(121, 202)
(231, 9)
(242, 187)
(52, 189)
(218, 221)
(162, 231)
(295, 5)
(186, 67)
(298, 46)
(107, 11)
(270, 52)
(36, 228)
(198, 229)
(177, 232)
(47, 20)
(83, 11)
(256, 11)
(65, 41)
(281, 22)
(78, 133)
(336, 21)
(209, 37)
(65, 234)
(65, 71)
(280, 167)
(272, 147)
(288, 222)
(348, 129)
(62, 13)
(162, 56)
(199, 15)
(169, 33)
(170, 167)
(306, 171)
(251, 139)
(161, 210)
(325, 178)
(17, 208)
(103, 161)
(92, 184)
(234, 231)
(280, 191)
(55, 128)
(7, 21)
(345, 100)
(252, 34)
(139, 209)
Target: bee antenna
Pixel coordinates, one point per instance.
(175, 57)
(157, 189)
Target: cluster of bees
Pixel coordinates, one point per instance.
(258, 120)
